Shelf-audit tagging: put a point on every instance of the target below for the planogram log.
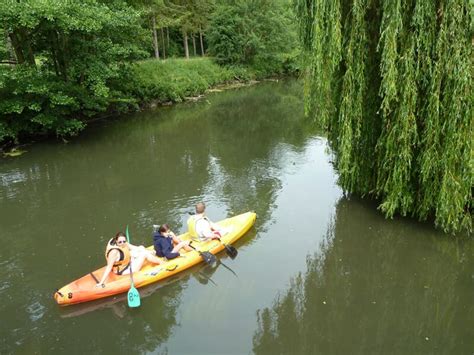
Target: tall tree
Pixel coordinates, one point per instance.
(194, 18)
(203, 11)
(252, 32)
(185, 43)
(83, 48)
(396, 100)
(159, 14)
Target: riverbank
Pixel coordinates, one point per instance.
(175, 80)
(145, 84)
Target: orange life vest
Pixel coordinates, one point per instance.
(124, 261)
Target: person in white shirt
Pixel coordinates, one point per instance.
(205, 228)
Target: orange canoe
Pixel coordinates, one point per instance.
(84, 290)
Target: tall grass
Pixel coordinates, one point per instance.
(175, 79)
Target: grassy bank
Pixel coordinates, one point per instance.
(175, 79)
(37, 104)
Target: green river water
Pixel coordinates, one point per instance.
(319, 273)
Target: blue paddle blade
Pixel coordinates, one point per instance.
(133, 297)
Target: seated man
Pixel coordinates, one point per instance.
(167, 244)
(200, 226)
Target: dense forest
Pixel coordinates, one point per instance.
(391, 81)
(63, 63)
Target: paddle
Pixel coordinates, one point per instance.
(133, 296)
(205, 255)
(211, 259)
(229, 249)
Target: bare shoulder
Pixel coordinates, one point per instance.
(113, 255)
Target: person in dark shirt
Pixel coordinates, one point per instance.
(167, 244)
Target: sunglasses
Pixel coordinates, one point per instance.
(121, 241)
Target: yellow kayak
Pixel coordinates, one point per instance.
(84, 289)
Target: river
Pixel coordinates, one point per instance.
(320, 272)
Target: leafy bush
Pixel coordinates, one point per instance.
(175, 79)
(72, 64)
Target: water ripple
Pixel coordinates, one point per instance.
(36, 311)
(4, 286)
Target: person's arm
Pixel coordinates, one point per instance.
(207, 234)
(203, 229)
(175, 238)
(215, 226)
(113, 255)
(156, 245)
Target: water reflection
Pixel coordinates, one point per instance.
(60, 203)
(375, 288)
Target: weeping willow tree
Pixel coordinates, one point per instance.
(390, 81)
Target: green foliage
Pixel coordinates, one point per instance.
(3, 49)
(259, 33)
(175, 79)
(396, 100)
(33, 103)
(74, 58)
(79, 53)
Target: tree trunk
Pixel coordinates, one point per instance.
(9, 47)
(194, 44)
(61, 54)
(163, 43)
(200, 39)
(155, 37)
(27, 50)
(55, 59)
(185, 41)
(20, 58)
(167, 37)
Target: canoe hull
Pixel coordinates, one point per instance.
(84, 290)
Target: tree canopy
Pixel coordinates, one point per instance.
(260, 33)
(63, 62)
(391, 82)
(69, 57)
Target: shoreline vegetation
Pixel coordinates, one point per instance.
(163, 83)
(167, 82)
(64, 64)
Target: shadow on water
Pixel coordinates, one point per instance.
(375, 287)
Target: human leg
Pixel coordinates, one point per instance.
(136, 264)
(140, 255)
(181, 245)
(152, 258)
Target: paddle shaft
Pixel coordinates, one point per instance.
(133, 295)
(206, 256)
(229, 249)
(214, 259)
(130, 265)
